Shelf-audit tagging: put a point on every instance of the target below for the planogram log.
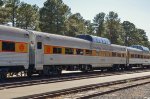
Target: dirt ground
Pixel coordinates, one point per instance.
(140, 92)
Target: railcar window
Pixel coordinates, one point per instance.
(100, 53)
(110, 54)
(107, 54)
(138, 56)
(57, 50)
(114, 54)
(68, 50)
(94, 53)
(135, 55)
(97, 53)
(88, 52)
(79, 51)
(132, 55)
(8, 46)
(119, 55)
(104, 53)
(123, 55)
(39, 45)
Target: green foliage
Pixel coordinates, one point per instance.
(53, 16)
(4, 15)
(12, 5)
(130, 30)
(75, 25)
(27, 16)
(89, 27)
(112, 26)
(21, 15)
(134, 36)
(99, 23)
(124, 33)
(1, 3)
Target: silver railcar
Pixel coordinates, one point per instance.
(46, 53)
(14, 50)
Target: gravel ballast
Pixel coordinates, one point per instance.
(139, 92)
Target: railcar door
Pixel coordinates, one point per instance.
(127, 58)
(39, 53)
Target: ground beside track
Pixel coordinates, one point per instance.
(43, 88)
(139, 92)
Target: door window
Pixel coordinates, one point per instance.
(39, 45)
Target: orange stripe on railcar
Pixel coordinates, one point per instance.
(48, 49)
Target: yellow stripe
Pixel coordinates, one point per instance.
(63, 50)
(74, 51)
(21, 47)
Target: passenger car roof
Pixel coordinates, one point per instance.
(94, 39)
(4, 30)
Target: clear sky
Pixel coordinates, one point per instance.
(135, 11)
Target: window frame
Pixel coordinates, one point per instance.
(57, 50)
(11, 48)
(70, 51)
(88, 52)
(39, 45)
(78, 52)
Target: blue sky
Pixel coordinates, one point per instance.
(135, 11)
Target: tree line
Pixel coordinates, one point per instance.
(56, 17)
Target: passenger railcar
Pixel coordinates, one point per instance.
(49, 54)
(145, 56)
(134, 57)
(14, 50)
(52, 53)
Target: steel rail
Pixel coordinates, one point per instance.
(88, 87)
(62, 79)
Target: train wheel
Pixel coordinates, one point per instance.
(1, 77)
(29, 73)
(52, 70)
(110, 69)
(3, 74)
(86, 68)
(59, 72)
(129, 68)
(41, 73)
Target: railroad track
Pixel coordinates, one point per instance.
(67, 77)
(102, 88)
